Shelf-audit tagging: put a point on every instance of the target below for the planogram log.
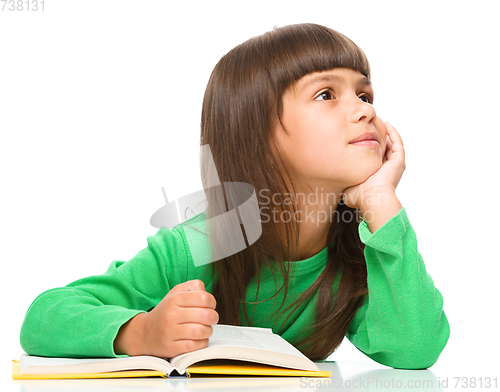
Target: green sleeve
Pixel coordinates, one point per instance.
(83, 318)
(401, 323)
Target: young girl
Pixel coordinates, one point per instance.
(291, 113)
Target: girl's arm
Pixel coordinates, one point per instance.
(83, 318)
(402, 323)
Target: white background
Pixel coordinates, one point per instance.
(100, 105)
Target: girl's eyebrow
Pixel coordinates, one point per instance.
(364, 81)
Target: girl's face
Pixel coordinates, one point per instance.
(322, 113)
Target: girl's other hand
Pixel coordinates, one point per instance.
(180, 323)
(386, 178)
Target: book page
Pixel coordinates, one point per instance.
(258, 338)
(223, 336)
(30, 360)
(47, 365)
(259, 345)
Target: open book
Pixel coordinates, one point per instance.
(231, 351)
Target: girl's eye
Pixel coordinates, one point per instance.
(326, 94)
(369, 99)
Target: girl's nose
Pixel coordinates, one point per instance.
(361, 110)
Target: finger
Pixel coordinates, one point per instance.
(200, 316)
(186, 346)
(397, 142)
(193, 331)
(190, 285)
(194, 299)
(388, 143)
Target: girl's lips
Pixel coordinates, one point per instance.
(366, 143)
(365, 136)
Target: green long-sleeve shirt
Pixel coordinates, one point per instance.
(401, 323)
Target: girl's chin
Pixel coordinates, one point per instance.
(369, 171)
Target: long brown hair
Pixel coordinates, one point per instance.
(241, 107)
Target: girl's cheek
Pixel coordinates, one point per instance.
(380, 127)
(382, 132)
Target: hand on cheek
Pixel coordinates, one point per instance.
(386, 179)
